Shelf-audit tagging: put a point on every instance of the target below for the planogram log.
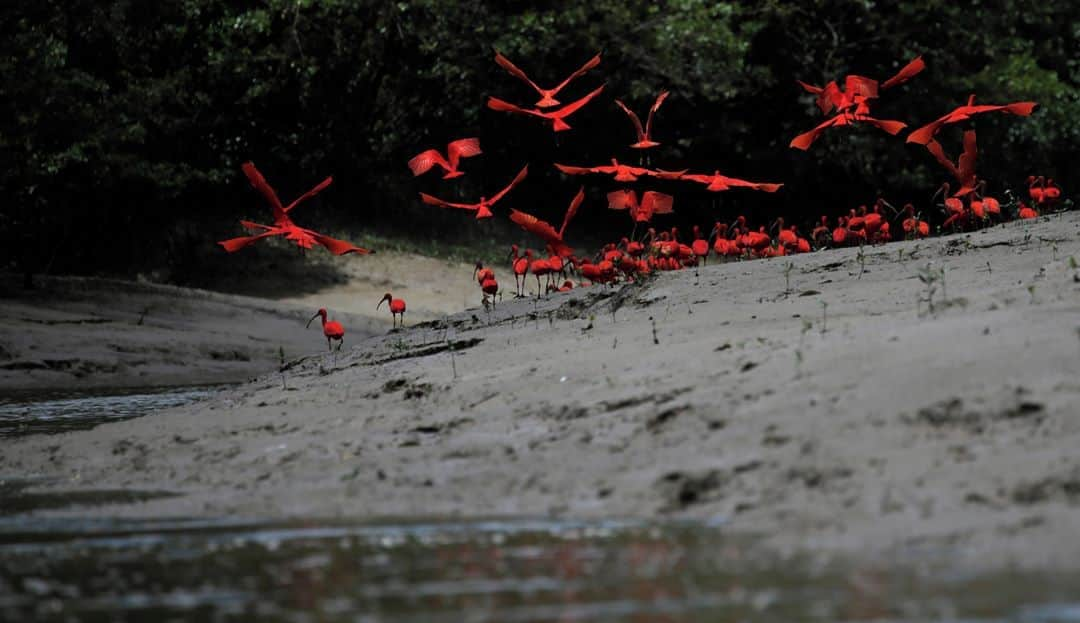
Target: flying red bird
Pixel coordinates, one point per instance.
(545, 231)
(283, 225)
(651, 203)
(718, 183)
(547, 96)
(397, 307)
(925, 134)
(859, 90)
(644, 135)
(483, 208)
(557, 117)
(964, 169)
(331, 329)
(804, 140)
(455, 151)
(621, 172)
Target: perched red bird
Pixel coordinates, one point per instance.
(397, 307)
(556, 117)
(482, 274)
(1027, 212)
(539, 268)
(455, 151)
(331, 329)
(925, 134)
(652, 202)
(700, 246)
(913, 227)
(621, 172)
(520, 266)
(483, 208)
(719, 183)
(547, 96)
(545, 231)
(644, 135)
(283, 225)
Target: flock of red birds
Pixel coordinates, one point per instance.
(966, 207)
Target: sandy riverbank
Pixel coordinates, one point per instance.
(823, 406)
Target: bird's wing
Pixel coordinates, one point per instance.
(860, 85)
(338, 247)
(668, 175)
(816, 90)
(938, 152)
(435, 201)
(534, 226)
(250, 226)
(652, 111)
(573, 107)
(572, 210)
(762, 186)
(633, 119)
(925, 134)
(232, 245)
(259, 183)
(698, 177)
(495, 103)
(966, 166)
(804, 140)
(517, 180)
(657, 203)
(830, 98)
(569, 170)
(462, 148)
(513, 70)
(907, 72)
(890, 126)
(423, 162)
(309, 194)
(622, 200)
(1022, 109)
(592, 62)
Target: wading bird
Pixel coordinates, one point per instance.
(455, 151)
(547, 96)
(397, 307)
(519, 264)
(545, 231)
(719, 183)
(332, 329)
(620, 172)
(283, 225)
(964, 169)
(556, 117)
(925, 134)
(644, 135)
(483, 207)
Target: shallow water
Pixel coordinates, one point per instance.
(520, 571)
(58, 411)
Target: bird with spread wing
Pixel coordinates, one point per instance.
(483, 207)
(547, 96)
(544, 230)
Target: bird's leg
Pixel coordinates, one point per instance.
(328, 347)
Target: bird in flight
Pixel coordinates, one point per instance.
(719, 183)
(925, 134)
(283, 224)
(644, 135)
(483, 207)
(455, 151)
(651, 203)
(545, 231)
(804, 140)
(556, 117)
(964, 169)
(621, 172)
(547, 96)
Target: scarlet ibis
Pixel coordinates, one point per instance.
(283, 225)
(787, 237)
(556, 117)
(821, 233)
(1051, 192)
(332, 329)
(925, 134)
(644, 135)
(858, 90)
(719, 183)
(482, 274)
(700, 246)
(652, 202)
(913, 227)
(545, 231)
(539, 268)
(621, 172)
(964, 169)
(483, 207)
(455, 151)
(661, 174)
(840, 233)
(1027, 212)
(804, 140)
(490, 287)
(397, 307)
(520, 266)
(1036, 189)
(547, 96)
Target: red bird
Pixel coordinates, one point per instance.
(700, 246)
(483, 208)
(547, 96)
(331, 329)
(539, 268)
(964, 169)
(804, 140)
(925, 134)
(520, 266)
(644, 135)
(557, 117)
(622, 172)
(482, 274)
(719, 183)
(652, 202)
(455, 151)
(859, 90)
(397, 307)
(545, 231)
(283, 225)
(914, 227)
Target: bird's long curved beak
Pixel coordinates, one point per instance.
(309, 321)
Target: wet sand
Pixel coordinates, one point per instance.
(815, 400)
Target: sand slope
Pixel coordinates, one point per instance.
(828, 408)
